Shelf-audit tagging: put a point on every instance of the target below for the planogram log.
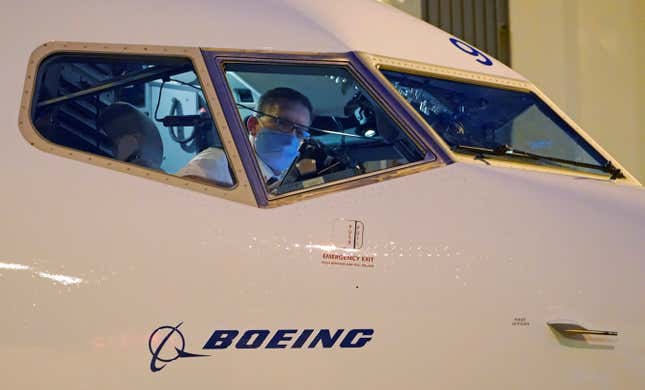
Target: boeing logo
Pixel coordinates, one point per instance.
(169, 339)
(165, 338)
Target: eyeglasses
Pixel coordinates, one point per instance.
(301, 130)
(286, 125)
(281, 124)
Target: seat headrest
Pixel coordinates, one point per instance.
(135, 137)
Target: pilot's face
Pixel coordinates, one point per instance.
(292, 117)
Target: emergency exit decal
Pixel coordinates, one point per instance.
(347, 238)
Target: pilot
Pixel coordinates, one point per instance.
(276, 133)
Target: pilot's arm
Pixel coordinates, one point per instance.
(211, 164)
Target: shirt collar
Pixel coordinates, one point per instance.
(267, 172)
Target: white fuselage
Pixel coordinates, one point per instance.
(461, 266)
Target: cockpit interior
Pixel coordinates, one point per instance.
(152, 112)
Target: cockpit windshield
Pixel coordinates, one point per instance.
(474, 118)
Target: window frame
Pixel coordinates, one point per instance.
(239, 192)
(216, 61)
(208, 64)
(422, 69)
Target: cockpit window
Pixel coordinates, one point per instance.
(311, 125)
(497, 122)
(144, 110)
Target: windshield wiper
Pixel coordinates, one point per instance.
(505, 150)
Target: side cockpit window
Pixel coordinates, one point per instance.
(313, 125)
(144, 110)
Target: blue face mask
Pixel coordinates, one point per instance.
(276, 149)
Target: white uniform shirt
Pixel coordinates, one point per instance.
(212, 164)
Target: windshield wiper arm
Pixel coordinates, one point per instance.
(505, 150)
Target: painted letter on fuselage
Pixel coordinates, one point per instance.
(348, 341)
(221, 339)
